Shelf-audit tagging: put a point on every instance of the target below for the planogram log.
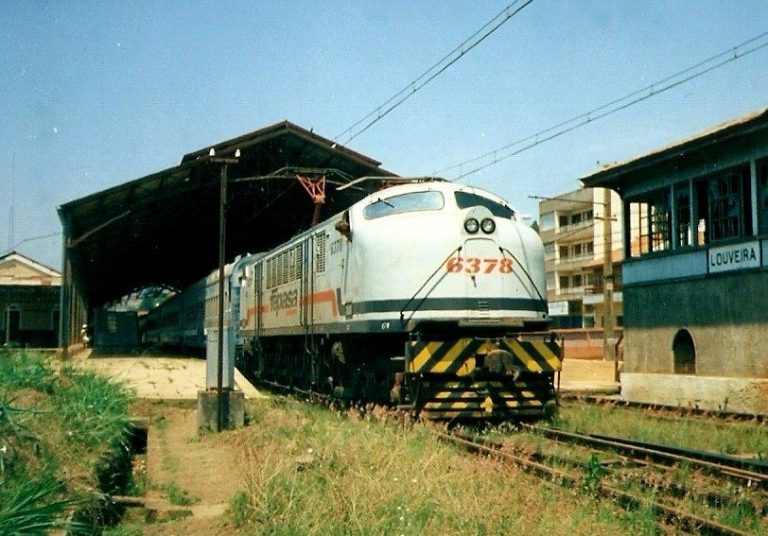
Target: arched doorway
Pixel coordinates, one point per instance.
(684, 352)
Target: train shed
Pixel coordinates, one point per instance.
(696, 270)
(163, 229)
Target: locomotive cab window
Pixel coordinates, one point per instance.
(399, 204)
(468, 200)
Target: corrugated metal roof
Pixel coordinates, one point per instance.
(163, 228)
(611, 175)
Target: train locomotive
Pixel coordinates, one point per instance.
(426, 294)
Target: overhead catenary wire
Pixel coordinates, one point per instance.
(433, 72)
(701, 68)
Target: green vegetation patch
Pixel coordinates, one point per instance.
(58, 429)
(310, 471)
(693, 431)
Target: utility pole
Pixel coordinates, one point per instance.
(608, 350)
(222, 406)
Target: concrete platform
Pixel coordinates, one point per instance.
(181, 378)
(160, 378)
(588, 376)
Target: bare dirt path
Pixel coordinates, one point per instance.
(191, 476)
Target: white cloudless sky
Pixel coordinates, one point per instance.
(94, 94)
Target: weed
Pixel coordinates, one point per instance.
(593, 474)
(54, 422)
(97, 404)
(178, 496)
(364, 478)
(24, 370)
(30, 506)
(239, 508)
(124, 530)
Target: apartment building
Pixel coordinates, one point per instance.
(573, 229)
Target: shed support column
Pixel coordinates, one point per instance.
(64, 297)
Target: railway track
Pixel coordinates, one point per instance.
(640, 476)
(669, 412)
(753, 473)
(634, 474)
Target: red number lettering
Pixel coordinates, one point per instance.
(454, 265)
(490, 265)
(474, 265)
(506, 266)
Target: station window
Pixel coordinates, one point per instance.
(724, 206)
(564, 282)
(650, 223)
(683, 230)
(549, 250)
(762, 204)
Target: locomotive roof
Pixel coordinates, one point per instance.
(163, 228)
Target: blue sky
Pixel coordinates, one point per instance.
(93, 94)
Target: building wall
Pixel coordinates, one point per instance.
(37, 309)
(726, 317)
(29, 302)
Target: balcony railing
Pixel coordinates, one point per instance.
(572, 227)
(576, 258)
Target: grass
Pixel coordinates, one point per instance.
(312, 472)
(692, 431)
(697, 432)
(57, 426)
(178, 496)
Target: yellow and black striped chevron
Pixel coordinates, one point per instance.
(467, 399)
(460, 356)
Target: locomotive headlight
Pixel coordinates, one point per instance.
(488, 225)
(471, 225)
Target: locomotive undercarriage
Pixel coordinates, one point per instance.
(438, 376)
(347, 367)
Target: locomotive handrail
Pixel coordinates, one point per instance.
(502, 249)
(410, 300)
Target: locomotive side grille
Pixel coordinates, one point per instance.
(321, 241)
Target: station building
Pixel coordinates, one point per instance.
(695, 276)
(29, 302)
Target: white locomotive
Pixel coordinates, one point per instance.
(422, 293)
